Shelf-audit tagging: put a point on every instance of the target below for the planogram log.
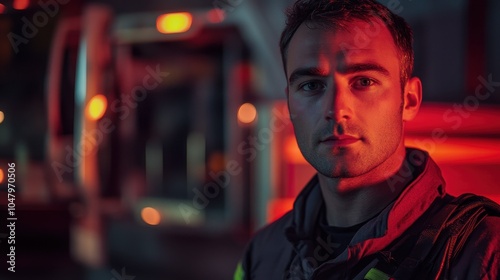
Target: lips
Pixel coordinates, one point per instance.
(340, 140)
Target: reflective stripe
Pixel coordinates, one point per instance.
(239, 274)
(375, 274)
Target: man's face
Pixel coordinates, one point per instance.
(344, 96)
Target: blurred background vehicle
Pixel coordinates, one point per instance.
(151, 138)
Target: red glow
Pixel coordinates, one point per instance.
(279, 207)
(20, 4)
(459, 150)
(483, 120)
(215, 15)
(241, 75)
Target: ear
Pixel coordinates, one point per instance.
(412, 98)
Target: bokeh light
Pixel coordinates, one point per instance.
(96, 107)
(150, 216)
(20, 4)
(174, 23)
(247, 113)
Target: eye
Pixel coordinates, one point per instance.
(312, 86)
(363, 83)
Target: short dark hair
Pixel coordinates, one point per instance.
(337, 13)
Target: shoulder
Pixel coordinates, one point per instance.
(266, 254)
(485, 239)
(480, 256)
(488, 230)
(273, 234)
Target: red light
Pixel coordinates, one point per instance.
(279, 207)
(20, 4)
(215, 15)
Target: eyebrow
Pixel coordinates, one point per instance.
(347, 69)
(361, 67)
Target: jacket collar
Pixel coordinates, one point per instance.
(379, 232)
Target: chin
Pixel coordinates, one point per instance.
(340, 172)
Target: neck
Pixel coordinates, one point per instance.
(350, 201)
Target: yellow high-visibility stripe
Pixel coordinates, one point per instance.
(375, 274)
(239, 274)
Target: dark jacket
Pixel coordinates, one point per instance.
(289, 248)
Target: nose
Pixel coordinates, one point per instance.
(338, 104)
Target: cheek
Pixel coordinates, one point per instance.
(295, 104)
(304, 120)
(307, 109)
(392, 122)
(383, 118)
(297, 112)
(301, 126)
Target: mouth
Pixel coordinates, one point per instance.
(339, 140)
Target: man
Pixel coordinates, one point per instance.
(375, 209)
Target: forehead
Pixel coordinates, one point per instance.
(358, 41)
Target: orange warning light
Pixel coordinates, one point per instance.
(174, 22)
